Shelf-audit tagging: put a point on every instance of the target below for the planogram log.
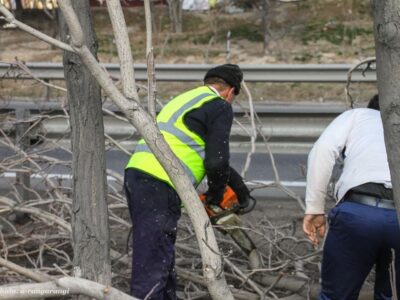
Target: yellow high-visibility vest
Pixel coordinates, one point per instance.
(188, 146)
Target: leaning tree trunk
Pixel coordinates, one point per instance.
(89, 210)
(387, 44)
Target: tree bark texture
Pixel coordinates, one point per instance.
(90, 231)
(387, 45)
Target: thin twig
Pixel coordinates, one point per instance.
(349, 98)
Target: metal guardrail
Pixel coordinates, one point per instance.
(330, 73)
(290, 128)
(294, 108)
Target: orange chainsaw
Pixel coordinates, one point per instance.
(229, 204)
(226, 216)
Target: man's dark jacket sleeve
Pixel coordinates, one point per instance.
(213, 122)
(239, 187)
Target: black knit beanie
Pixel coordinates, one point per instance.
(230, 73)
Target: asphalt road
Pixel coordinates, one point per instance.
(290, 167)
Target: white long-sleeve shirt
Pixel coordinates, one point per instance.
(360, 132)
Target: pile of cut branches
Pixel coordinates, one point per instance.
(35, 233)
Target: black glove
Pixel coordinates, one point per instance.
(244, 201)
(213, 199)
(246, 204)
(239, 187)
(243, 194)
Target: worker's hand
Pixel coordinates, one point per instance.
(243, 195)
(314, 226)
(212, 199)
(246, 204)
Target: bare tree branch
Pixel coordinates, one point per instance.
(151, 82)
(349, 98)
(36, 276)
(124, 49)
(62, 287)
(253, 135)
(11, 19)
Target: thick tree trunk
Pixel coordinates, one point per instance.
(90, 215)
(387, 44)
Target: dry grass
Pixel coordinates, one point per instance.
(318, 32)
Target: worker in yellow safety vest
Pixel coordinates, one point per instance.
(196, 124)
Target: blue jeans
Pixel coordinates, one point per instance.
(154, 207)
(359, 237)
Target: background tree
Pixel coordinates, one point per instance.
(266, 9)
(175, 15)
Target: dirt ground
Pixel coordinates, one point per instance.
(326, 32)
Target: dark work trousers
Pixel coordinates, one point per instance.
(155, 209)
(359, 237)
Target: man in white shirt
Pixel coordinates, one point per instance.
(363, 226)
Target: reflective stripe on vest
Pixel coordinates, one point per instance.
(187, 145)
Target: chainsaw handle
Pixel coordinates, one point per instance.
(248, 208)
